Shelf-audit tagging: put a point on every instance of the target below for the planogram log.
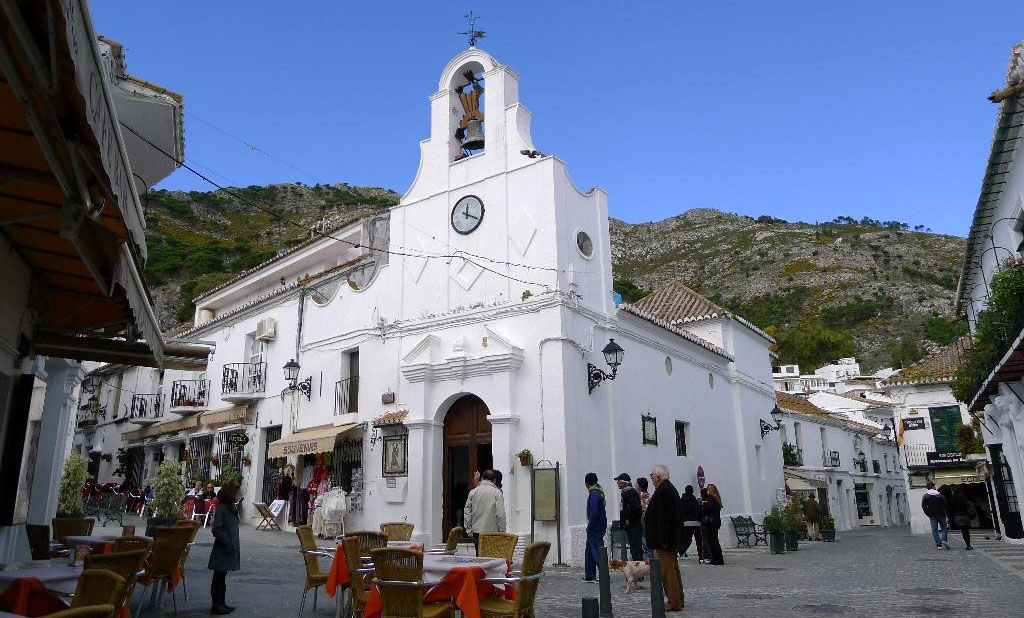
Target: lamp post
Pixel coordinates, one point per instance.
(613, 354)
(291, 375)
(767, 427)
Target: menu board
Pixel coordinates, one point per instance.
(545, 494)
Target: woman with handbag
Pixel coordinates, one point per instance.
(961, 513)
(711, 507)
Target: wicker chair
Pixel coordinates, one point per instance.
(169, 543)
(98, 587)
(526, 585)
(368, 541)
(195, 526)
(132, 543)
(38, 541)
(92, 611)
(400, 581)
(64, 527)
(497, 545)
(397, 531)
(310, 552)
(361, 575)
(127, 564)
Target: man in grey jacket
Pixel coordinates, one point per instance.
(485, 508)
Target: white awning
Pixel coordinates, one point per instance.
(308, 441)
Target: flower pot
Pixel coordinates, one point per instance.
(153, 522)
(828, 535)
(777, 542)
(792, 541)
(525, 460)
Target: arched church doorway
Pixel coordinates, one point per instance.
(467, 449)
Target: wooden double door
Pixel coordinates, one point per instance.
(467, 450)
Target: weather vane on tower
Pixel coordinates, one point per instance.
(473, 33)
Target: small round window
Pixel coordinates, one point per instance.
(668, 365)
(584, 244)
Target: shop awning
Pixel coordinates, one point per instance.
(160, 429)
(226, 415)
(309, 441)
(803, 483)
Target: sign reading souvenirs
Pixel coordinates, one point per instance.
(913, 423)
(238, 440)
(937, 457)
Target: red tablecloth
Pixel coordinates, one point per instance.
(339, 575)
(461, 583)
(28, 597)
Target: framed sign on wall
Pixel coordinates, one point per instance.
(650, 428)
(396, 455)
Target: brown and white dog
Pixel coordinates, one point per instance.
(634, 570)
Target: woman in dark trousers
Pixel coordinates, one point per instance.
(225, 554)
(711, 507)
(689, 508)
(961, 512)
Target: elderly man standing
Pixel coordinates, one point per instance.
(485, 508)
(661, 523)
(631, 516)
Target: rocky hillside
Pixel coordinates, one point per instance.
(874, 289)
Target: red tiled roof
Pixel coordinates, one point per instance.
(676, 303)
(935, 368)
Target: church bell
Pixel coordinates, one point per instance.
(474, 139)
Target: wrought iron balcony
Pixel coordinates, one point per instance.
(243, 381)
(830, 459)
(146, 409)
(190, 396)
(86, 418)
(346, 396)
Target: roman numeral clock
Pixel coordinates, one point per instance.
(468, 214)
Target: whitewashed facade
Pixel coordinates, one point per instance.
(403, 318)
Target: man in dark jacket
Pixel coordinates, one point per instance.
(630, 516)
(690, 518)
(934, 506)
(597, 524)
(812, 515)
(661, 523)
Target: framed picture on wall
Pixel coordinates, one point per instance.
(650, 429)
(396, 455)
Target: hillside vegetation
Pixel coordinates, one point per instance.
(852, 287)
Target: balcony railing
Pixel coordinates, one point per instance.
(346, 396)
(146, 409)
(86, 418)
(241, 379)
(926, 455)
(190, 394)
(830, 459)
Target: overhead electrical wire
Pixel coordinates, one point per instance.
(273, 213)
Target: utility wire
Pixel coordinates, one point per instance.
(272, 212)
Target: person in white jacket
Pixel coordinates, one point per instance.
(485, 508)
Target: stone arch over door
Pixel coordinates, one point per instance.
(466, 449)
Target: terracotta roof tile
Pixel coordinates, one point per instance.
(685, 334)
(676, 304)
(935, 368)
(799, 405)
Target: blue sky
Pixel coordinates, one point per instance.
(800, 110)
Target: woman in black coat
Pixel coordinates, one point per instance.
(711, 507)
(225, 554)
(961, 512)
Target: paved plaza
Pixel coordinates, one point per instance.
(883, 572)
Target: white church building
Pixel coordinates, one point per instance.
(450, 334)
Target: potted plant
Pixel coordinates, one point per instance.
(794, 524)
(167, 498)
(69, 497)
(525, 457)
(215, 460)
(775, 526)
(246, 460)
(828, 528)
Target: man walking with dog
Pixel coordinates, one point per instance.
(630, 516)
(661, 524)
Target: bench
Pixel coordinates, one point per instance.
(745, 528)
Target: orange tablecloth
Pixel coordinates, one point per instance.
(461, 583)
(105, 548)
(27, 596)
(339, 575)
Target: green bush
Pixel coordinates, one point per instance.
(811, 344)
(944, 331)
(167, 490)
(775, 520)
(828, 523)
(905, 351)
(69, 497)
(856, 311)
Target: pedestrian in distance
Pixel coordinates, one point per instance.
(630, 516)
(225, 555)
(597, 524)
(661, 525)
(961, 513)
(690, 516)
(485, 508)
(812, 514)
(645, 499)
(934, 506)
(711, 511)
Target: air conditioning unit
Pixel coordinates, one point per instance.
(266, 329)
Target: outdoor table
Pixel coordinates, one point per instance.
(29, 588)
(101, 543)
(460, 576)
(340, 576)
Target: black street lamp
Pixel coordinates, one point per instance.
(291, 375)
(613, 354)
(767, 427)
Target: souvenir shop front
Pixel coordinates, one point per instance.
(313, 469)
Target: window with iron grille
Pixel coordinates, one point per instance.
(200, 451)
(681, 430)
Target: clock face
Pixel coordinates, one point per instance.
(467, 214)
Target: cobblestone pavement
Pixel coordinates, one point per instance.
(881, 573)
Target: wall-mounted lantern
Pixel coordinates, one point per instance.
(613, 354)
(767, 427)
(291, 375)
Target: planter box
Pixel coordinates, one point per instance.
(777, 542)
(828, 535)
(154, 522)
(792, 541)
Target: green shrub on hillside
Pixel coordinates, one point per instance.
(944, 330)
